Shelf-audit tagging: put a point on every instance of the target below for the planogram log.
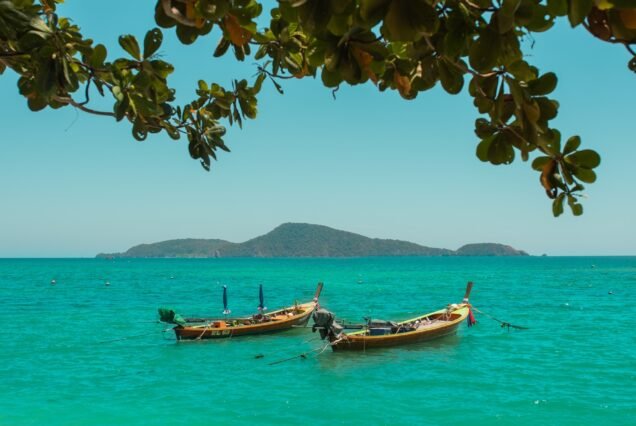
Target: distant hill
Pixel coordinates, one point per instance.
(189, 247)
(489, 249)
(304, 240)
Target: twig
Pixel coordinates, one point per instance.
(272, 75)
(481, 9)
(333, 92)
(79, 106)
(86, 94)
(12, 54)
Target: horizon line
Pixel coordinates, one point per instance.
(302, 257)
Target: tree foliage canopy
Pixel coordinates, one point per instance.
(404, 45)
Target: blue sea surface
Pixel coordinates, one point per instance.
(85, 353)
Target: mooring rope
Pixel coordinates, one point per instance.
(134, 336)
(207, 326)
(504, 324)
(302, 355)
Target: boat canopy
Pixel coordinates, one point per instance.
(169, 316)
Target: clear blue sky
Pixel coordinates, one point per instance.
(75, 184)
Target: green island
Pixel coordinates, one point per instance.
(304, 240)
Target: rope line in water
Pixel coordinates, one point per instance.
(302, 355)
(504, 324)
(134, 336)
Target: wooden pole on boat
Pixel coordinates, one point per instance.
(318, 291)
(469, 287)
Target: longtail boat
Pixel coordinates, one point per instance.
(382, 334)
(261, 323)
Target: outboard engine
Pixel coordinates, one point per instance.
(325, 323)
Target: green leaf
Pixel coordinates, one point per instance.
(541, 20)
(139, 130)
(522, 71)
(572, 145)
(372, 11)
(549, 108)
(121, 108)
(222, 47)
(40, 26)
(314, 14)
(187, 35)
(152, 42)
(578, 10)
(557, 205)
(532, 111)
(455, 38)
(98, 56)
(330, 78)
(37, 103)
(506, 15)
(408, 20)
(543, 85)
(483, 128)
(483, 147)
(259, 83)
(485, 50)
(130, 45)
(585, 175)
(557, 7)
(451, 77)
(161, 68)
(47, 77)
(539, 163)
(586, 158)
(501, 150)
(577, 209)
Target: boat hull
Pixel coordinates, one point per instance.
(361, 342)
(210, 332)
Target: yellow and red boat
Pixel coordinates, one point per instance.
(383, 334)
(261, 323)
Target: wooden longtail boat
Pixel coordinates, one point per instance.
(279, 320)
(382, 334)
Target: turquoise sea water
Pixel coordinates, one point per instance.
(575, 365)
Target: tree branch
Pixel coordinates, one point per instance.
(467, 70)
(70, 101)
(272, 75)
(86, 93)
(12, 54)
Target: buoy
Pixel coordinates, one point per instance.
(610, 292)
(53, 282)
(107, 283)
